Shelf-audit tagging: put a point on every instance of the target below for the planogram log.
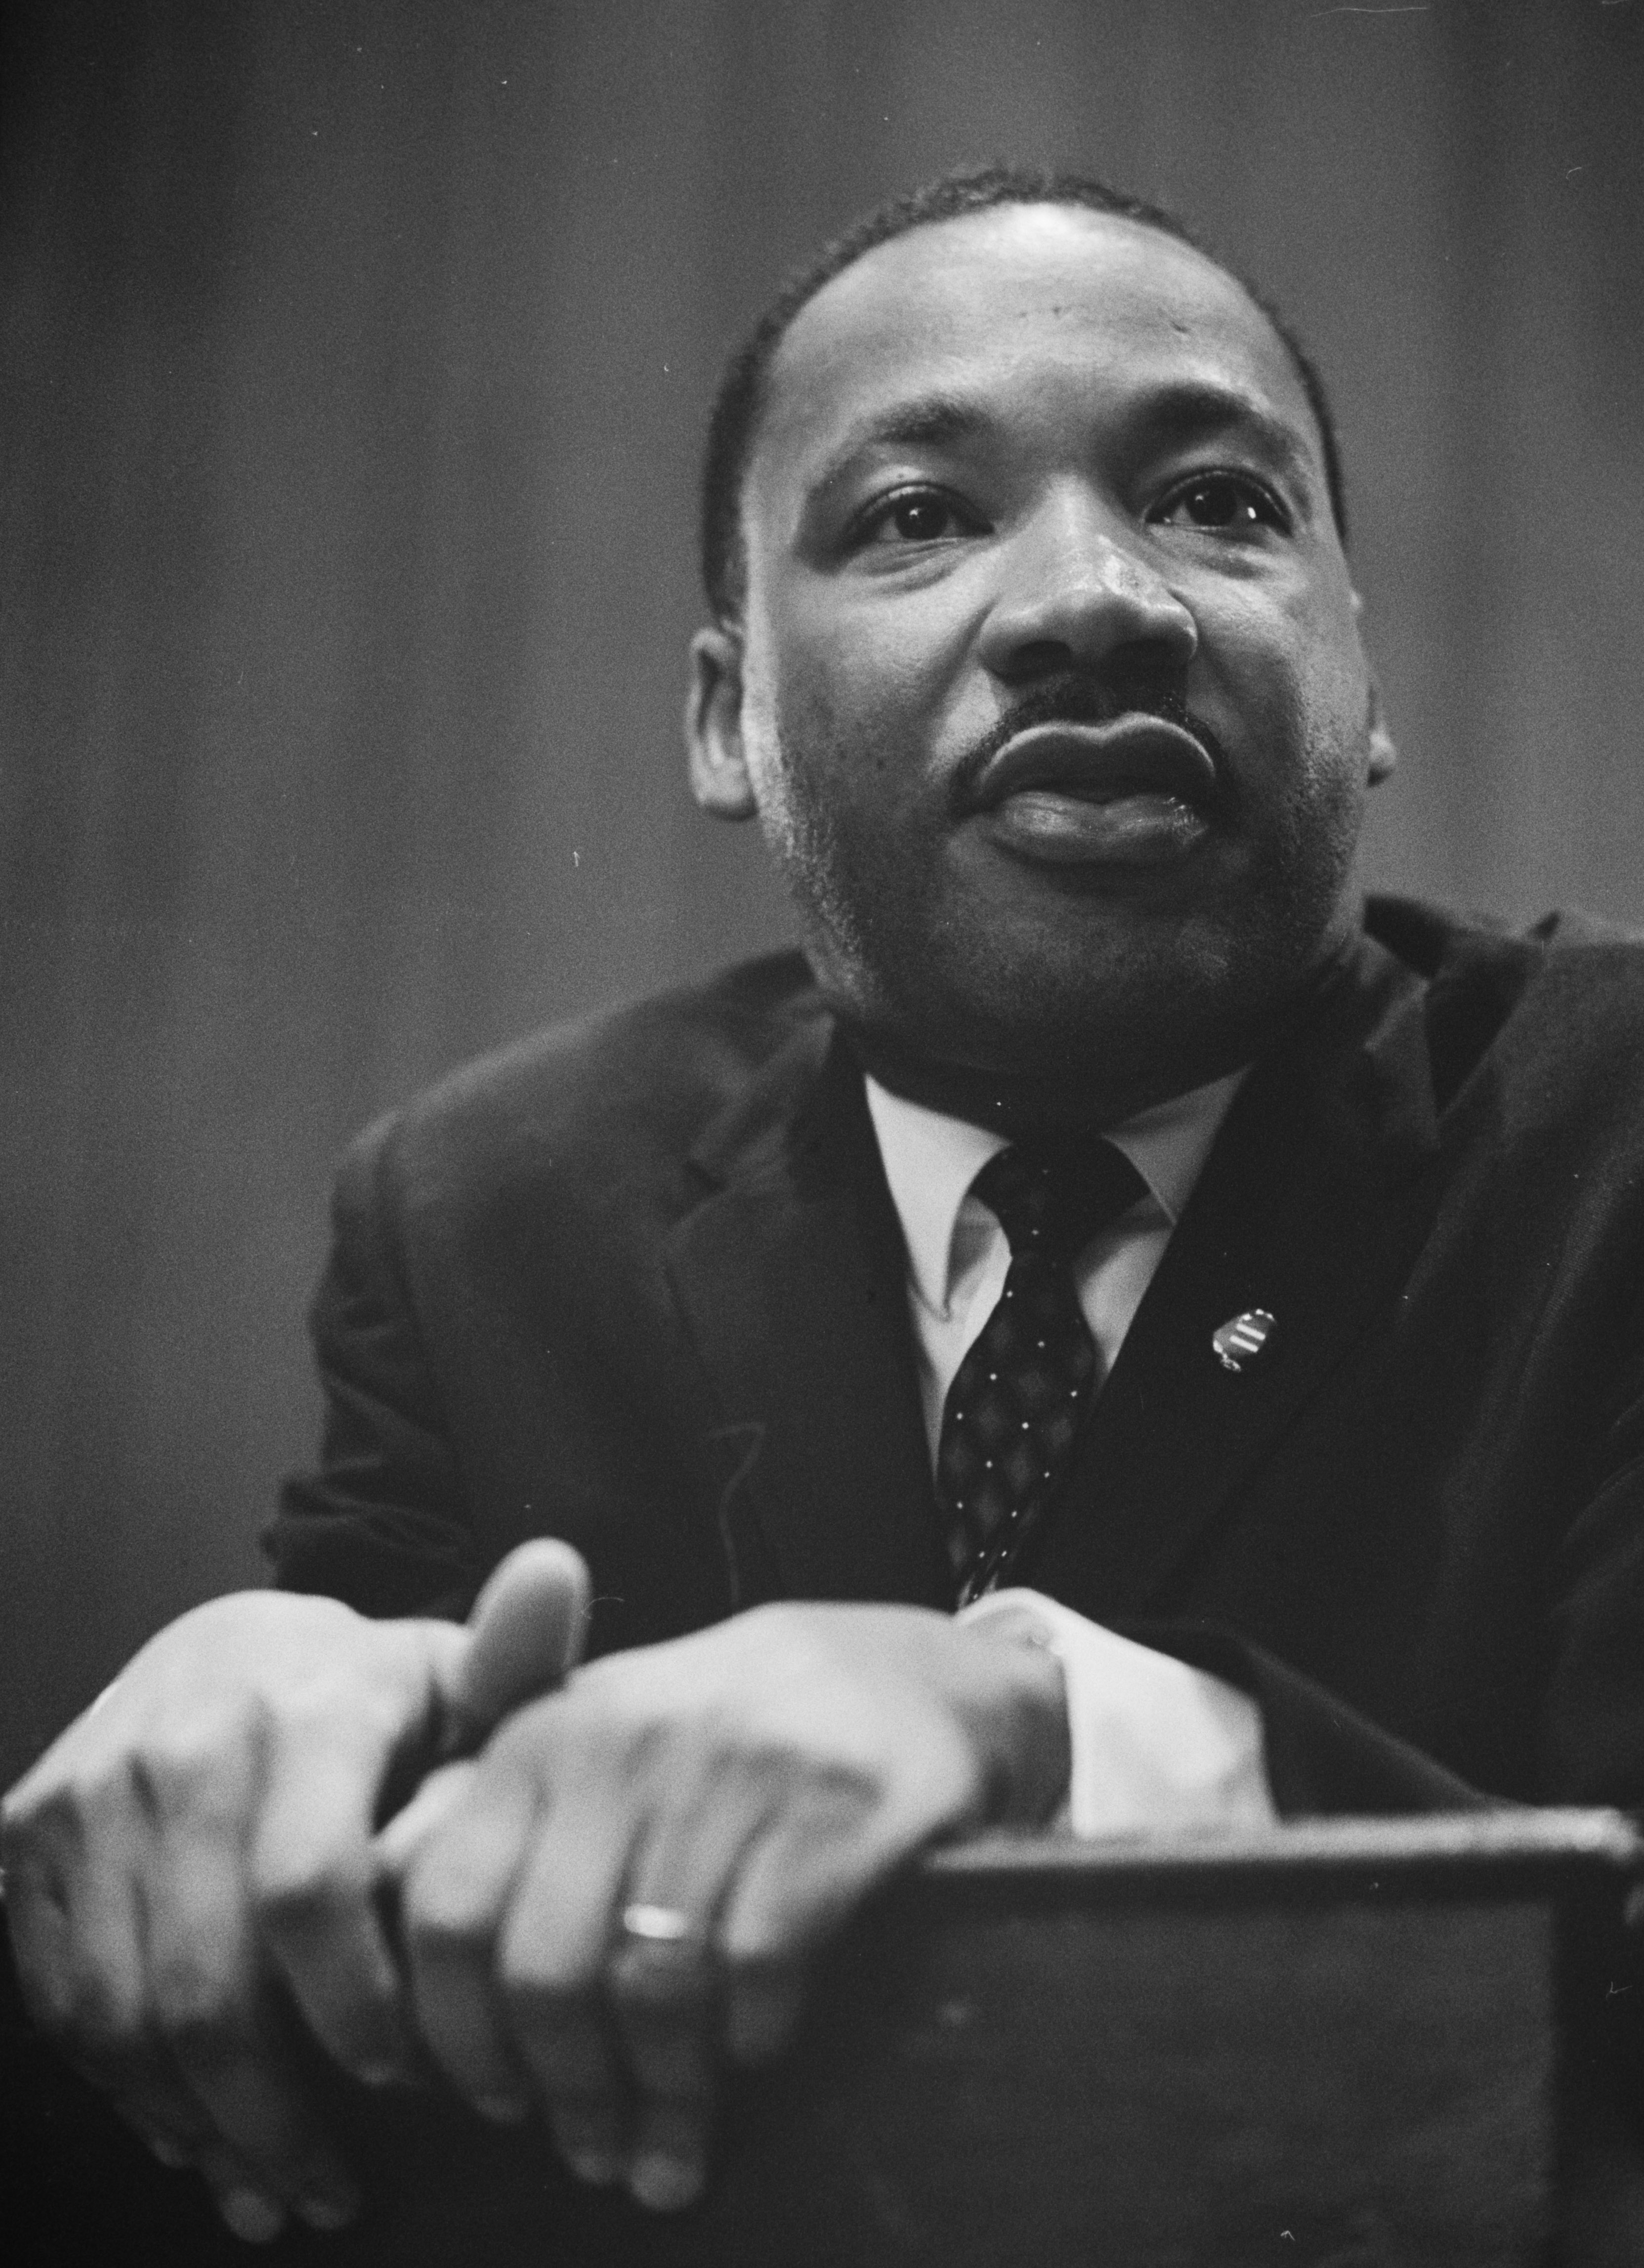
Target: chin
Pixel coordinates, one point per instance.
(1122, 1012)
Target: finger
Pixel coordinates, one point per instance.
(663, 1995)
(798, 1884)
(249, 2207)
(248, 2210)
(665, 2000)
(550, 1960)
(399, 1842)
(667, 2151)
(213, 2003)
(161, 2141)
(77, 1944)
(136, 1969)
(78, 1940)
(312, 1881)
(454, 1890)
(527, 1626)
(82, 1944)
(661, 1975)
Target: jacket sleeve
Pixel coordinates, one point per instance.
(380, 1524)
(1585, 1736)
(1321, 1755)
(1591, 1743)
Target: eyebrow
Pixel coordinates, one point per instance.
(1178, 411)
(1181, 411)
(930, 421)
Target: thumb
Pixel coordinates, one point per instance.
(525, 1632)
(524, 1637)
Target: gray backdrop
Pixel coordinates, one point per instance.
(355, 356)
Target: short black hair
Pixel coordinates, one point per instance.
(734, 423)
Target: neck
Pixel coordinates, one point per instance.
(1014, 1103)
(1077, 1092)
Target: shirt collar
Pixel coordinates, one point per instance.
(931, 1160)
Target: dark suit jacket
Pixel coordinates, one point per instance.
(639, 1284)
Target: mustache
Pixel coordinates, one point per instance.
(1075, 699)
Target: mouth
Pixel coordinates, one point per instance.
(1138, 791)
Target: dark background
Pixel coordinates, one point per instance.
(355, 358)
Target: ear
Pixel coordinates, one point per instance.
(1383, 754)
(713, 724)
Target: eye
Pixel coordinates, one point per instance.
(914, 515)
(1223, 504)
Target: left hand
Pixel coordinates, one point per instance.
(736, 1795)
(190, 1867)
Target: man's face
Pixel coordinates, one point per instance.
(1048, 692)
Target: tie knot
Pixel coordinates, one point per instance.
(1052, 1196)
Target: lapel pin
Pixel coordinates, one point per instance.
(1246, 1336)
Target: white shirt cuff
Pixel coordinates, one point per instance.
(1155, 1742)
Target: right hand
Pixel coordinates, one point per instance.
(189, 1868)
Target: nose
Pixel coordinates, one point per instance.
(1075, 594)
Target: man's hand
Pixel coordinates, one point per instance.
(190, 1868)
(626, 1888)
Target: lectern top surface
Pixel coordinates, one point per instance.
(1470, 1854)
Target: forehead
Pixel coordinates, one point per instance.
(1007, 300)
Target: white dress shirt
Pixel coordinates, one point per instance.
(1154, 1743)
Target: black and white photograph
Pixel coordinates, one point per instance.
(822, 1133)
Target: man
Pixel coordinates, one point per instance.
(1283, 1445)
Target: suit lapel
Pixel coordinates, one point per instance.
(1317, 1196)
(790, 1279)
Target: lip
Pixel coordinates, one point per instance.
(1138, 793)
(1137, 754)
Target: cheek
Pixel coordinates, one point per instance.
(796, 734)
(1334, 700)
(870, 666)
(1302, 683)
(1331, 666)
(849, 719)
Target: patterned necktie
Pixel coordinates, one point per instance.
(1014, 1407)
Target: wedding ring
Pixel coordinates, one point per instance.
(660, 1926)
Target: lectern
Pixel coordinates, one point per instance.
(1342, 2042)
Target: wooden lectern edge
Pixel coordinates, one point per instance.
(1433, 1855)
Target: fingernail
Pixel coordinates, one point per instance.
(251, 2216)
(664, 2185)
(600, 2167)
(333, 2209)
(507, 2110)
